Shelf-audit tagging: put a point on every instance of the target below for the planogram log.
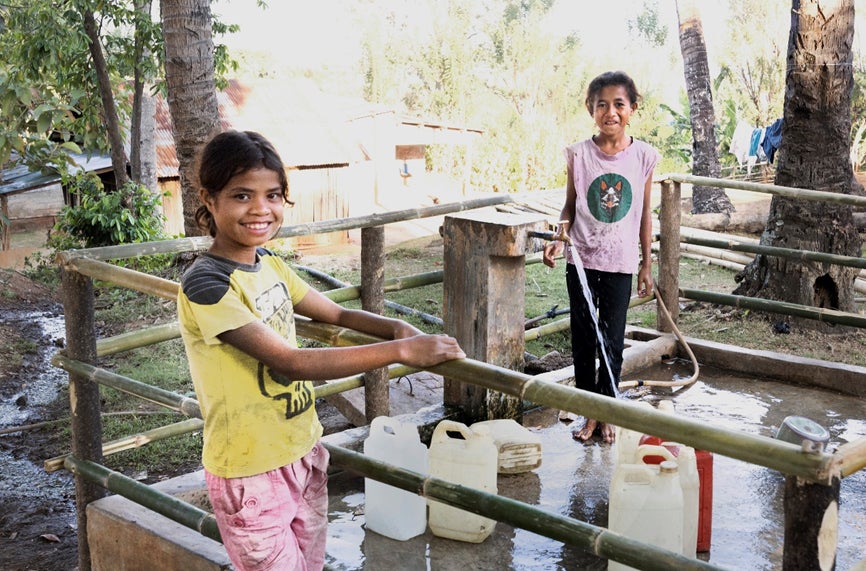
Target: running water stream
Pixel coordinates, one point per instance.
(587, 294)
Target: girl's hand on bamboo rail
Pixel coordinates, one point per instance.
(428, 350)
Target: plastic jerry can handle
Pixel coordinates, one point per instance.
(654, 450)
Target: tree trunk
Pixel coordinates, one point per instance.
(142, 147)
(189, 76)
(705, 153)
(109, 110)
(814, 153)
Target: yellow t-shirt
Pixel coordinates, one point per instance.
(255, 420)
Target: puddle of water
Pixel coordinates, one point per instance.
(42, 387)
(19, 476)
(573, 480)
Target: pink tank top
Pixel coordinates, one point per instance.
(609, 203)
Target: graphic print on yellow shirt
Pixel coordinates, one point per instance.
(255, 420)
(275, 307)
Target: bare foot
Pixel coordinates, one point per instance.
(608, 432)
(584, 433)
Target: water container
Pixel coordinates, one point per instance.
(390, 511)
(519, 449)
(646, 504)
(690, 482)
(626, 442)
(704, 460)
(467, 457)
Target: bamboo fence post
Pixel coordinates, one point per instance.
(376, 394)
(84, 402)
(669, 255)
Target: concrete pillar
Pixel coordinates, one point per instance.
(483, 301)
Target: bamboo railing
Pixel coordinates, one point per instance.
(820, 468)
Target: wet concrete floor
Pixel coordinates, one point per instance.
(573, 480)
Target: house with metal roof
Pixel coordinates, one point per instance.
(344, 157)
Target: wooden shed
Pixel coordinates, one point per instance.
(30, 202)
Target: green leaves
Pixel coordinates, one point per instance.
(129, 215)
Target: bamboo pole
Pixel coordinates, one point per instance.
(329, 388)
(763, 451)
(136, 339)
(596, 540)
(780, 307)
(786, 191)
(402, 309)
(720, 254)
(162, 397)
(852, 456)
(134, 441)
(565, 323)
(164, 504)
(768, 452)
(343, 294)
(125, 277)
(790, 253)
(202, 243)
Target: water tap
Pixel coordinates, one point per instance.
(561, 233)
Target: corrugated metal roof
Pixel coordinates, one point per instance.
(21, 178)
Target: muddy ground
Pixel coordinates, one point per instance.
(37, 509)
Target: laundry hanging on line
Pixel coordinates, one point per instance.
(752, 145)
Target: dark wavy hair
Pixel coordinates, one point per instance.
(229, 154)
(607, 79)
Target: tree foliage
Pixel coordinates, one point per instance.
(103, 218)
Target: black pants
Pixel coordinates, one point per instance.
(610, 294)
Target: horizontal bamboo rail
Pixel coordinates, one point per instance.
(593, 539)
(565, 323)
(202, 243)
(135, 440)
(791, 253)
(852, 456)
(773, 306)
(132, 279)
(763, 451)
(136, 339)
(785, 191)
(185, 405)
(164, 504)
(768, 452)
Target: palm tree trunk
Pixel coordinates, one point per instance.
(189, 75)
(705, 153)
(814, 153)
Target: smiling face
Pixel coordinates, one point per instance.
(248, 212)
(611, 110)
